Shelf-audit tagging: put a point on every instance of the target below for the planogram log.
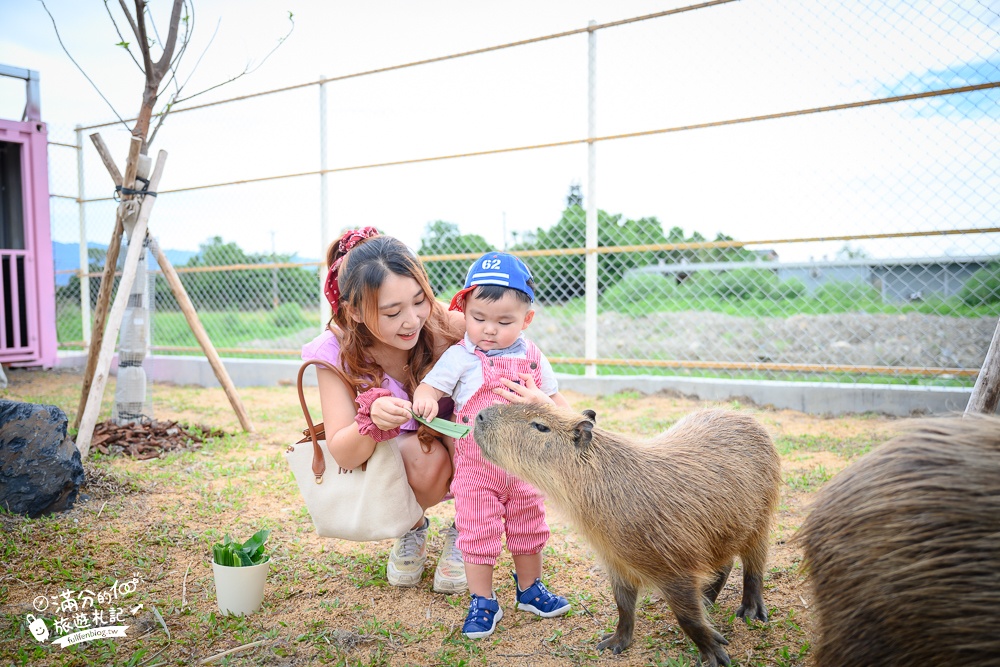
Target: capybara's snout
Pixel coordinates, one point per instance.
(481, 429)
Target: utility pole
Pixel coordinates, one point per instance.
(274, 276)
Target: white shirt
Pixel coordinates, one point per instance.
(459, 372)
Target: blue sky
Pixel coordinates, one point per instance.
(886, 168)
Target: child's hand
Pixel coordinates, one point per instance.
(425, 407)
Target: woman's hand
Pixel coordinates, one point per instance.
(388, 412)
(527, 392)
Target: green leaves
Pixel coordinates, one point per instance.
(123, 44)
(234, 554)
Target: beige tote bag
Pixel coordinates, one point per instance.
(372, 502)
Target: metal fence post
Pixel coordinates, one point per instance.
(324, 217)
(590, 326)
(84, 256)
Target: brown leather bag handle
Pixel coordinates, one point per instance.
(315, 433)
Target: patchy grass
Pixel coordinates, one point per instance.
(327, 601)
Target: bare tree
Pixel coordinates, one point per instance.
(155, 73)
(172, 48)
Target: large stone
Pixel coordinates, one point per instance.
(40, 467)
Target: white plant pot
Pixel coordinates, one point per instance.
(239, 590)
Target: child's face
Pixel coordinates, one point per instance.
(494, 325)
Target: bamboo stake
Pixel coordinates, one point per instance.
(105, 154)
(103, 365)
(986, 393)
(110, 261)
(191, 315)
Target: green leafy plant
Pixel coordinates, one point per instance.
(234, 554)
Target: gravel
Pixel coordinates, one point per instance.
(855, 339)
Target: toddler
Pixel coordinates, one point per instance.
(496, 302)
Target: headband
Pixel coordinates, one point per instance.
(347, 242)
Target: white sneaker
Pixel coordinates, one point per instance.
(449, 576)
(408, 557)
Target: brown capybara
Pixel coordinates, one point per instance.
(670, 513)
(902, 550)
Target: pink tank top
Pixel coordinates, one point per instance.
(327, 347)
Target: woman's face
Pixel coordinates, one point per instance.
(402, 310)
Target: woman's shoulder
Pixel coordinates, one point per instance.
(325, 346)
(453, 327)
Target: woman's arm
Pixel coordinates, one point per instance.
(347, 446)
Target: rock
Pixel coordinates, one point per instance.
(40, 467)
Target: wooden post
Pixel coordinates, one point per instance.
(986, 393)
(110, 261)
(191, 315)
(103, 365)
(109, 162)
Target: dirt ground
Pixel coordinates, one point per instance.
(327, 600)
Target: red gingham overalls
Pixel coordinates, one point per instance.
(487, 498)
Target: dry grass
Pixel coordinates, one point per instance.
(327, 601)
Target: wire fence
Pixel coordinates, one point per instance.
(794, 191)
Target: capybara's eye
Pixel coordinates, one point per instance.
(541, 428)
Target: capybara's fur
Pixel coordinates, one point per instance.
(902, 550)
(670, 513)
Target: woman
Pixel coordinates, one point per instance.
(386, 332)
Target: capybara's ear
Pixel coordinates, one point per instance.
(591, 415)
(583, 433)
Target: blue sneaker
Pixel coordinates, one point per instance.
(482, 619)
(539, 601)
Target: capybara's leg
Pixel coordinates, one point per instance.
(715, 586)
(685, 600)
(754, 559)
(625, 595)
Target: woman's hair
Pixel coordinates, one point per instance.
(361, 275)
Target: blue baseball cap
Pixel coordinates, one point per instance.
(495, 268)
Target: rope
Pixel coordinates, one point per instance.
(610, 137)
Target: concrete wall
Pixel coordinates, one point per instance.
(821, 398)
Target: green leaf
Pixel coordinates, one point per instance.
(444, 427)
(122, 44)
(256, 542)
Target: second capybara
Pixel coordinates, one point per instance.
(902, 550)
(671, 513)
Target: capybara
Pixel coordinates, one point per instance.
(670, 513)
(902, 550)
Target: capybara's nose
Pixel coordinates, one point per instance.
(480, 418)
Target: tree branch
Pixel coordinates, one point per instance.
(168, 48)
(246, 70)
(123, 43)
(139, 27)
(73, 60)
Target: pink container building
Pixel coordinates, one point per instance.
(27, 279)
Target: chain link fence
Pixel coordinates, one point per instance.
(809, 191)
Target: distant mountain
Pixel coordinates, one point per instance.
(66, 257)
